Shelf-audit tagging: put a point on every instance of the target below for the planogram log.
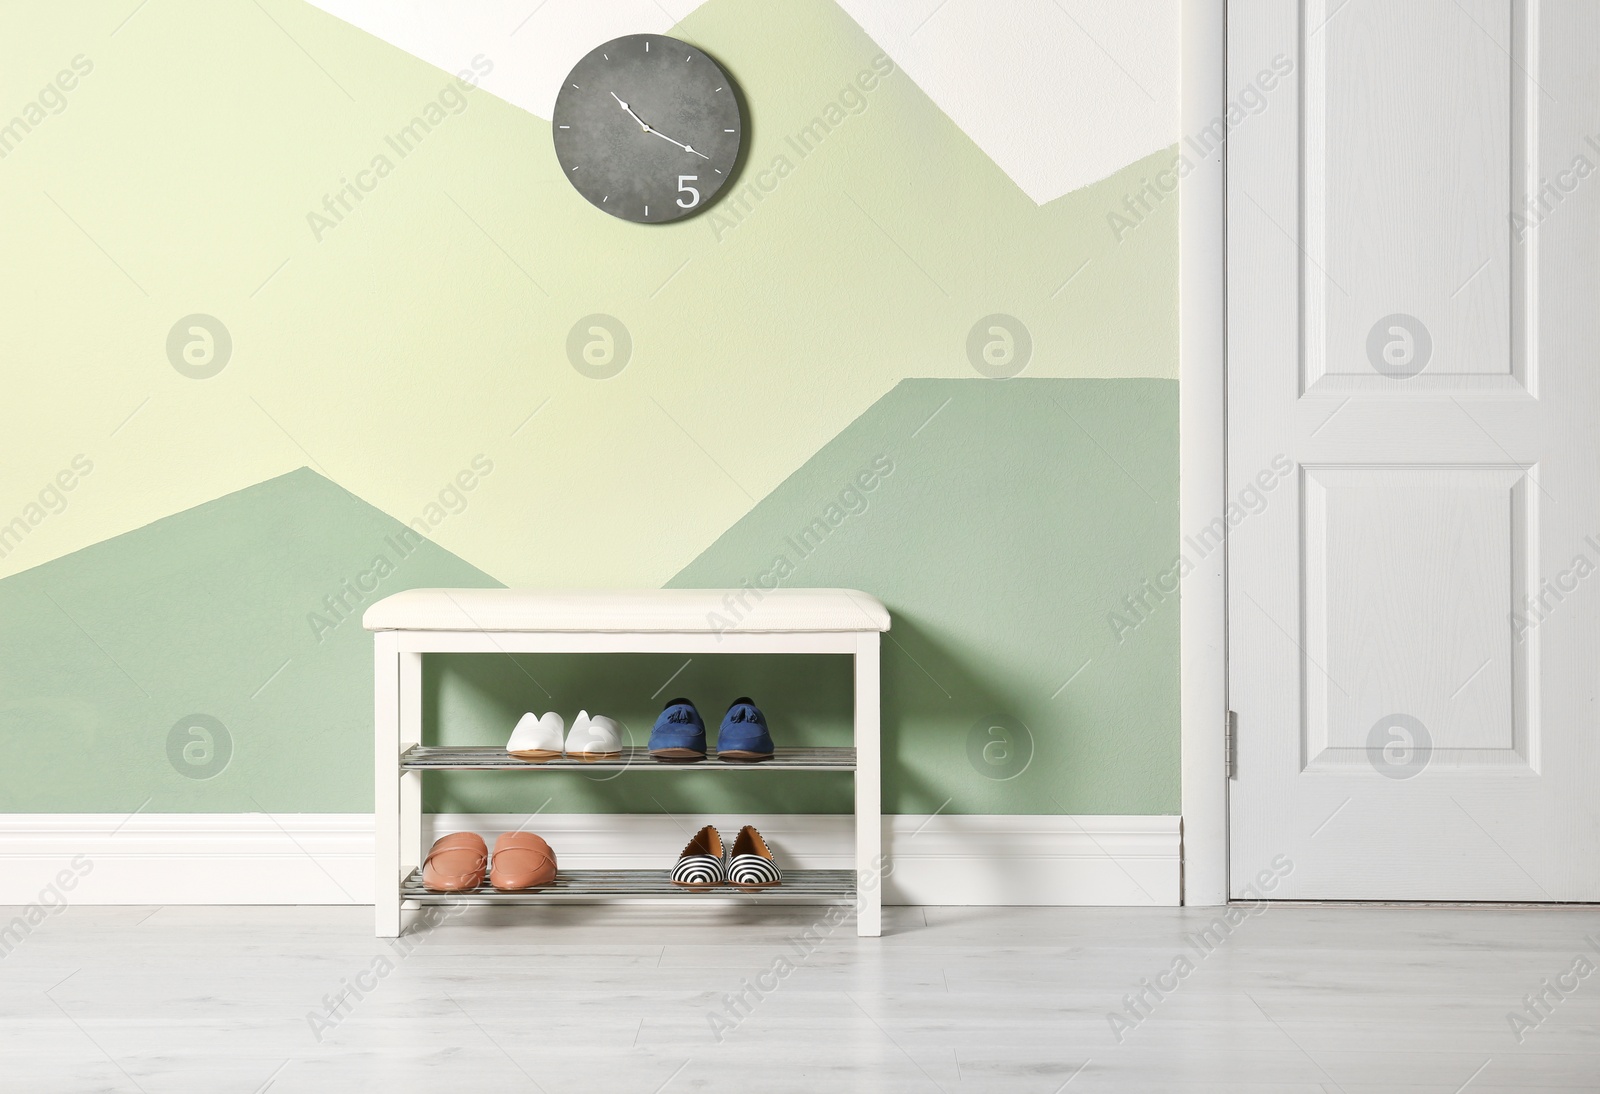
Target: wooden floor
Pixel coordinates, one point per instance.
(578, 999)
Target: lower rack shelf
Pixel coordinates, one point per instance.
(633, 758)
(799, 886)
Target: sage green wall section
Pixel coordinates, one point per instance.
(110, 652)
(1004, 523)
(430, 321)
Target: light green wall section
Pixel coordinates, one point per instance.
(413, 335)
(811, 320)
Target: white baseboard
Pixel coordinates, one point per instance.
(186, 858)
(326, 858)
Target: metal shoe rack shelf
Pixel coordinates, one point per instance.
(411, 624)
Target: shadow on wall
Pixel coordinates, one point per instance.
(468, 699)
(1006, 523)
(471, 699)
(1001, 523)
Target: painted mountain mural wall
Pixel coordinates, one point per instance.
(389, 401)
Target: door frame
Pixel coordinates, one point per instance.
(1202, 454)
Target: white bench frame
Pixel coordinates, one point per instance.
(397, 793)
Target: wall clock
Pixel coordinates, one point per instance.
(647, 128)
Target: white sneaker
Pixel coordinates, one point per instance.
(597, 738)
(537, 739)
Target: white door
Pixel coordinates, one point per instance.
(1414, 448)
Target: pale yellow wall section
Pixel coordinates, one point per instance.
(426, 326)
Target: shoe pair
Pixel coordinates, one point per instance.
(457, 863)
(704, 864)
(679, 735)
(538, 739)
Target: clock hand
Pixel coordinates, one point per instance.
(631, 114)
(647, 129)
(680, 144)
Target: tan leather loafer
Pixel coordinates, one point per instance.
(522, 860)
(456, 863)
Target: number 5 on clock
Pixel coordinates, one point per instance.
(685, 188)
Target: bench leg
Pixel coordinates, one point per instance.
(386, 785)
(411, 850)
(870, 864)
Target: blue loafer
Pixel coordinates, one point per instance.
(679, 735)
(743, 738)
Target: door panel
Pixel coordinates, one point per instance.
(1414, 286)
(1408, 137)
(1389, 553)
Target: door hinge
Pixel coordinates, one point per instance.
(1230, 747)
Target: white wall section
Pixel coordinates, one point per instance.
(1059, 93)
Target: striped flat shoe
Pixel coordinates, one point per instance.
(751, 866)
(701, 865)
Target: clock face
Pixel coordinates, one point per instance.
(647, 128)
